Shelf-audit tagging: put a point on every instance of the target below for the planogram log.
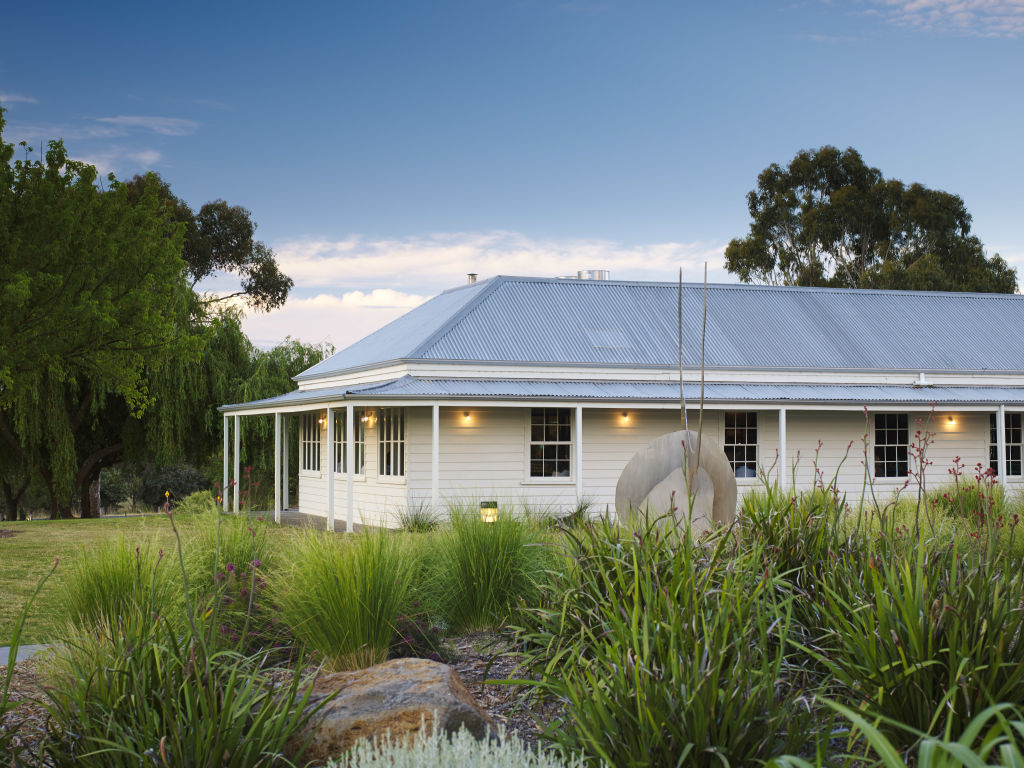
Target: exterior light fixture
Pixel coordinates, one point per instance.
(625, 416)
(369, 417)
(465, 415)
(489, 511)
(951, 420)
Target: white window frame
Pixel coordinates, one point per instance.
(900, 447)
(392, 434)
(358, 443)
(530, 478)
(747, 429)
(1014, 422)
(310, 439)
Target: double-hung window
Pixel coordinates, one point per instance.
(741, 442)
(892, 441)
(391, 442)
(309, 441)
(550, 442)
(1014, 436)
(358, 442)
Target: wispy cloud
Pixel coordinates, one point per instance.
(344, 289)
(986, 18)
(121, 161)
(166, 126)
(11, 98)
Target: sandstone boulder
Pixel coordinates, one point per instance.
(400, 696)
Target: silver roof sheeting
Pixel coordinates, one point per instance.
(524, 320)
(414, 388)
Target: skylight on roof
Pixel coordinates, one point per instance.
(608, 339)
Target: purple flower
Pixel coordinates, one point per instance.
(229, 567)
(256, 563)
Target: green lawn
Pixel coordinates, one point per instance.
(29, 554)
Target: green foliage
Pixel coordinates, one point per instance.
(829, 219)
(483, 570)
(993, 738)
(142, 692)
(201, 503)
(443, 750)
(340, 596)
(419, 519)
(933, 636)
(665, 652)
(180, 481)
(116, 578)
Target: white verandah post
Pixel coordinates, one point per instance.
(277, 467)
(783, 463)
(284, 462)
(238, 458)
(224, 490)
(350, 466)
(435, 458)
(1001, 444)
(579, 453)
(330, 469)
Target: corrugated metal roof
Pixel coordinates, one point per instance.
(612, 323)
(414, 388)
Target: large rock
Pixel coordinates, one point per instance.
(401, 696)
(665, 472)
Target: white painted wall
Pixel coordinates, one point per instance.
(485, 457)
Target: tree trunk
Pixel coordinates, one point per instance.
(88, 478)
(89, 498)
(12, 499)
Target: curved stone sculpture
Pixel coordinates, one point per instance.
(654, 479)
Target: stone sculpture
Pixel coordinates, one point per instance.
(665, 474)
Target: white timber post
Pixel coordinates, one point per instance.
(238, 458)
(277, 467)
(1001, 443)
(350, 467)
(330, 469)
(579, 453)
(284, 462)
(783, 463)
(225, 490)
(435, 458)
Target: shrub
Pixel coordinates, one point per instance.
(181, 481)
(198, 503)
(341, 596)
(116, 577)
(664, 652)
(420, 519)
(441, 750)
(483, 570)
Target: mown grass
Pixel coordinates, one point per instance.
(27, 556)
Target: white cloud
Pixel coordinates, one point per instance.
(122, 161)
(166, 126)
(376, 280)
(986, 18)
(11, 98)
(340, 320)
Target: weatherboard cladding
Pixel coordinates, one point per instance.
(415, 388)
(612, 323)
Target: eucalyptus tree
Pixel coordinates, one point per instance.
(829, 219)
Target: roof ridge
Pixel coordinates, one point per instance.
(489, 286)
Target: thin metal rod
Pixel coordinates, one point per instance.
(682, 395)
(703, 335)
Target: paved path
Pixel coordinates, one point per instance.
(24, 652)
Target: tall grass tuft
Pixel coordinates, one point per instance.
(341, 596)
(117, 577)
(665, 652)
(484, 570)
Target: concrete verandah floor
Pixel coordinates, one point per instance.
(302, 520)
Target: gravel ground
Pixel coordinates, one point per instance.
(479, 657)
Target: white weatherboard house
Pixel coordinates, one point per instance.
(539, 391)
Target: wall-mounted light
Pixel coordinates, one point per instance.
(465, 416)
(489, 511)
(369, 417)
(625, 416)
(951, 420)
(322, 421)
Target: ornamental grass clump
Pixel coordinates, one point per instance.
(664, 651)
(117, 577)
(483, 570)
(933, 637)
(340, 597)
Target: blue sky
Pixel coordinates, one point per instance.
(387, 148)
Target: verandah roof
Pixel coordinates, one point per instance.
(433, 389)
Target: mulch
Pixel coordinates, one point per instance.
(478, 658)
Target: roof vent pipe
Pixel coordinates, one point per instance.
(472, 277)
(593, 274)
(921, 382)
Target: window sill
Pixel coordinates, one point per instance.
(392, 479)
(549, 481)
